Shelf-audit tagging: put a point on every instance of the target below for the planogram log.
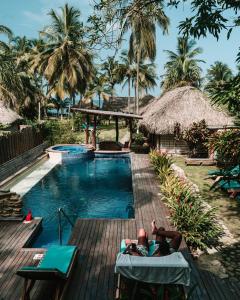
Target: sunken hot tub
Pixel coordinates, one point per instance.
(70, 151)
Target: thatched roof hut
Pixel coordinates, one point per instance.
(7, 115)
(183, 105)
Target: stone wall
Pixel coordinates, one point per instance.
(10, 205)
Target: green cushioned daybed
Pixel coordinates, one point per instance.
(229, 184)
(227, 172)
(57, 264)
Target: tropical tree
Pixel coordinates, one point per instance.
(11, 87)
(142, 21)
(128, 75)
(112, 72)
(228, 95)
(64, 58)
(99, 88)
(217, 75)
(7, 32)
(182, 67)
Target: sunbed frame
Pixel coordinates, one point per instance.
(30, 277)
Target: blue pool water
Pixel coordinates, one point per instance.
(71, 148)
(93, 188)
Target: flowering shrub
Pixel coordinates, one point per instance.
(227, 145)
(196, 136)
(187, 211)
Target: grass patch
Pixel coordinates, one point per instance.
(228, 209)
(105, 132)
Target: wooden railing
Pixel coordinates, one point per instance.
(16, 143)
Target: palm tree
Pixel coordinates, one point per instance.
(217, 75)
(99, 88)
(111, 71)
(142, 21)
(64, 59)
(7, 32)
(126, 73)
(182, 67)
(11, 88)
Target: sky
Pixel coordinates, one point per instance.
(28, 17)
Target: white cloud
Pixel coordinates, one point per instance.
(39, 18)
(42, 16)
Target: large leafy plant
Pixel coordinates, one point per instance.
(226, 143)
(187, 210)
(196, 137)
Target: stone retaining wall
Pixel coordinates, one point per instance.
(14, 165)
(10, 205)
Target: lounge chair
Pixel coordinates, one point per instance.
(226, 172)
(57, 264)
(229, 185)
(170, 269)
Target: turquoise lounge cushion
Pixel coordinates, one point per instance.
(58, 257)
(229, 184)
(151, 247)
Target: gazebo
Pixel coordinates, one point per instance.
(105, 113)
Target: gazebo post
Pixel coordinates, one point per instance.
(86, 131)
(117, 130)
(94, 142)
(130, 130)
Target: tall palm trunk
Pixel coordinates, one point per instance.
(39, 110)
(129, 93)
(112, 94)
(99, 101)
(135, 96)
(61, 110)
(137, 83)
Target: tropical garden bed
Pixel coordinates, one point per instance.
(204, 227)
(226, 261)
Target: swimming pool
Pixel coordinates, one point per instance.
(99, 187)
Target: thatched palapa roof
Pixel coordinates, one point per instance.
(7, 115)
(183, 105)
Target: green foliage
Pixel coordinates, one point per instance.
(211, 17)
(187, 211)
(196, 136)
(182, 67)
(161, 163)
(227, 145)
(60, 132)
(217, 75)
(138, 138)
(64, 58)
(143, 149)
(78, 121)
(227, 94)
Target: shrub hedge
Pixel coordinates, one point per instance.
(187, 210)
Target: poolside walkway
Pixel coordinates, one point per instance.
(98, 241)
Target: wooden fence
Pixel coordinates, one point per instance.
(16, 143)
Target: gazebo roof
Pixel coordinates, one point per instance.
(106, 113)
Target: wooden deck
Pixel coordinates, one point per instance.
(98, 241)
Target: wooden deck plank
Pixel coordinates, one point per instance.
(102, 282)
(93, 263)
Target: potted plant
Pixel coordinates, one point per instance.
(140, 144)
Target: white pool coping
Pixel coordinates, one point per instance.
(33, 178)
